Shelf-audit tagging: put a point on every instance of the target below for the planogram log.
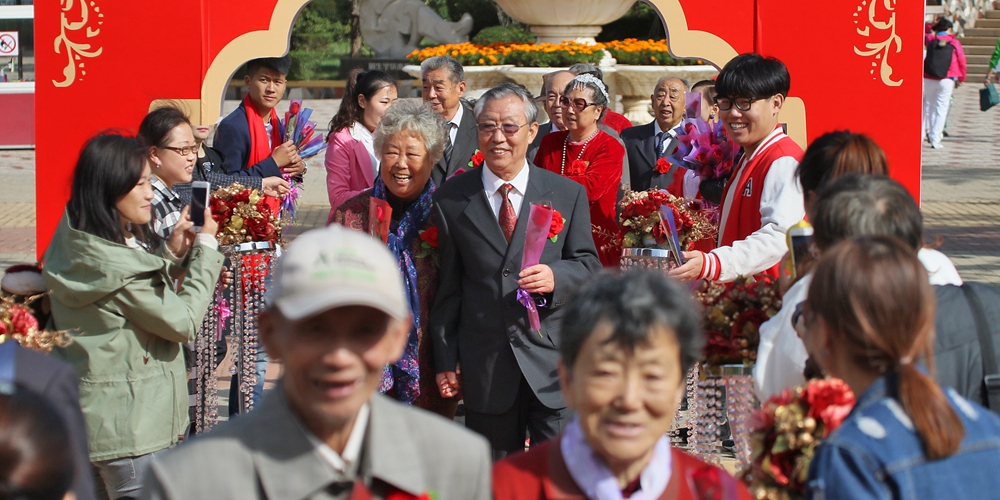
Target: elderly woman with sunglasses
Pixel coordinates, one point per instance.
(589, 156)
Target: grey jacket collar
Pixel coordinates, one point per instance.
(289, 467)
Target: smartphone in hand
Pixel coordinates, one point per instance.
(800, 237)
(199, 201)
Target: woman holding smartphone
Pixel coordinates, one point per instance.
(112, 283)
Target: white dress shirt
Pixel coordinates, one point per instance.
(492, 183)
(457, 120)
(343, 463)
(361, 134)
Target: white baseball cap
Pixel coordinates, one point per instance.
(334, 267)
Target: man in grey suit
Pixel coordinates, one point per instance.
(552, 90)
(508, 372)
(443, 85)
(339, 316)
(645, 144)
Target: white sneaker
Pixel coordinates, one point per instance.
(937, 145)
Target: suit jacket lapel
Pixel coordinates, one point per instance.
(537, 191)
(389, 453)
(287, 463)
(648, 149)
(466, 142)
(478, 210)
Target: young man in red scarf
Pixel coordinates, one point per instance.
(762, 198)
(249, 136)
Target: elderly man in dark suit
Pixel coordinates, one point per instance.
(645, 144)
(339, 315)
(443, 85)
(508, 372)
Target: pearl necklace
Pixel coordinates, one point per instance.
(562, 167)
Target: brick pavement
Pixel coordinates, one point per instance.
(960, 191)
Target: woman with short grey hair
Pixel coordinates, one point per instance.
(410, 139)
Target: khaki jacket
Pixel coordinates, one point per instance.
(129, 324)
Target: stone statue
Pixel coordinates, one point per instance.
(394, 28)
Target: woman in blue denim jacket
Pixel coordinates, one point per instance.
(869, 315)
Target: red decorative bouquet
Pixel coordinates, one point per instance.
(640, 220)
(706, 149)
(733, 315)
(244, 215)
(18, 323)
(789, 427)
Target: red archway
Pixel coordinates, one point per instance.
(101, 63)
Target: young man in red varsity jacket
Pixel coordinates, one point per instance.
(762, 199)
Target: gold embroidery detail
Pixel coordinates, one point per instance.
(879, 50)
(76, 50)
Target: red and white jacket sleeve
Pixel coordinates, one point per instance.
(781, 207)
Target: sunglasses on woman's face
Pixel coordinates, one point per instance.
(579, 104)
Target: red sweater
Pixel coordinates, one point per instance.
(541, 474)
(616, 121)
(602, 178)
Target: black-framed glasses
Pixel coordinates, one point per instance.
(184, 151)
(741, 103)
(508, 129)
(579, 104)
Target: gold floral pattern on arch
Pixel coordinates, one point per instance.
(879, 24)
(84, 21)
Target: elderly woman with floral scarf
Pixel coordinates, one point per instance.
(410, 140)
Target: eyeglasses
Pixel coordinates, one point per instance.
(508, 129)
(741, 103)
(579, 104)
(186, 150)
(674, 95)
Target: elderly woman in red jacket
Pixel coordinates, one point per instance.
(626, 343)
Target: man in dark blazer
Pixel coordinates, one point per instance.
(443, 85)
(265, 82)
(56, 381)
(508, 372)
(552, 90)
(641, 142)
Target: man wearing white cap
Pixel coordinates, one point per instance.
(339, 315)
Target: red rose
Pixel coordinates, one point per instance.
(220, 210)
(21, 319)
(578, 167)
(3, 328)
(241, 197)
(829, 401)
(380, 213)
(557, 224)
(260, 229)
(662, 165)
(294, 107)
(430, 236)
(659, 197)
(477, 159)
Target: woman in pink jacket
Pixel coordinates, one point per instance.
(939, 82)
(351, 163)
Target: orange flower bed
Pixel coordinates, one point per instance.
(543, 55)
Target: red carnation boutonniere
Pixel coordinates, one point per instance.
(578, 167)
(428, 243)
(477, 159)
(558, 222)
(662, 166)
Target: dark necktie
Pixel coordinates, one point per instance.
(507, 218)
(448, 145)
(661, 139)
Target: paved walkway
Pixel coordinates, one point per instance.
(961, 191)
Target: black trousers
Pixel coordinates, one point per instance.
(506, 432)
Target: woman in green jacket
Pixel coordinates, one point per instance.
(132, 299)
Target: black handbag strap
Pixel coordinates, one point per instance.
(991, 376)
